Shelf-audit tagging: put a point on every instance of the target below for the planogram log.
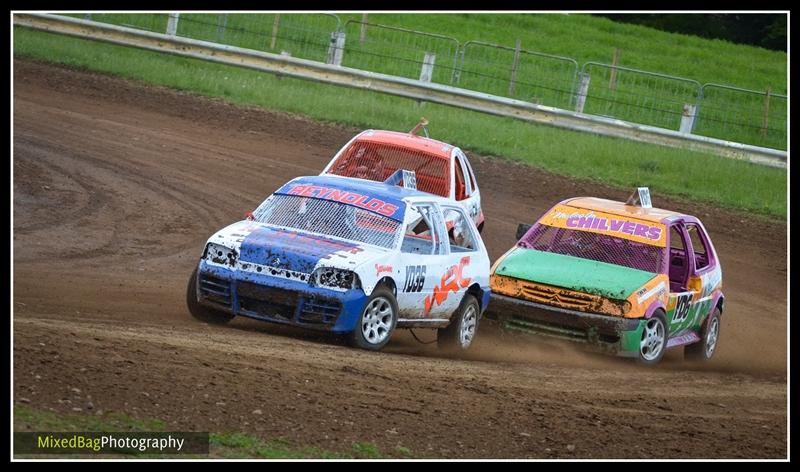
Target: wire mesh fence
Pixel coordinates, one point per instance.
(676, 103)
(307, 36)
(737, 114)
(400, 52)
(516, 73)
(155, 22)
(637, 96)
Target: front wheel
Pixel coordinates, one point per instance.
(654, 340)
(377, 321)
(460, 333)
(705, 348)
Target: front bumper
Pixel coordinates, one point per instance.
(278, 300)
(609, 334)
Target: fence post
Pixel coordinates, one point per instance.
(336, 49)
(222, 25)
(275, 31)
(701, 92)
(427, 67)
(363, 32)
(612, 81)
(172, 24)
(459, 64)
(765, 120)
(687, 119)
(583, 91)
(514, 65)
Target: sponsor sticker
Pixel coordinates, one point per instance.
(646, 232)
(343, 196)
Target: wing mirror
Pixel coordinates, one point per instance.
(521, 230)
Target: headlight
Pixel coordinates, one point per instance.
(330, 277)
(219, 254)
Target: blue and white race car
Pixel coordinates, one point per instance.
(348, 256)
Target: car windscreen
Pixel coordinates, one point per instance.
(377, 161)
(594, 246)
(328, 218)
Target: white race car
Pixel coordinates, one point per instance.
(348, 256)
(441, 169)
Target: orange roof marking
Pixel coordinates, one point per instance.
(654, 215)
(408, 141)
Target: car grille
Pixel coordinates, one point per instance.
(557, 296)
(215, 290)
(316, 310)
(266, 302)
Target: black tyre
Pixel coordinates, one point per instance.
(377, 321)
(654, 340)
(200, 312)
(704, 349)
(460, 333)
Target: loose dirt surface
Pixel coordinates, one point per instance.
(116, 188)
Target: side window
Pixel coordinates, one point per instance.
(422, 235)
(461, 189)
(678, 260)
(699, 246)
(459, 232)
(473, 185)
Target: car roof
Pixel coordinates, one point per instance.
(656, 215)
(407, 140)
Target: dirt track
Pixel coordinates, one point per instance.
(116, 188)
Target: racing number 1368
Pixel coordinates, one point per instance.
(415, 278)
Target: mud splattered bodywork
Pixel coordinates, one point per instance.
(595, 271)
(316, 249)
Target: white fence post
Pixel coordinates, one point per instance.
(687, 119)
(512, 84)
(583, 90)
(427, 67)
(336, 49)
(172, 24)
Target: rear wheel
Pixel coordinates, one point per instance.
(201, 312)
(460, 333)
(377, 321)
(654, 340)
(704, 349)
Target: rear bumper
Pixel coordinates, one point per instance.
(278, 300)
(609, 334)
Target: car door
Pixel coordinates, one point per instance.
(706, 276)
(424, 254)
(470, 197)
(468, 264)
(682, 304)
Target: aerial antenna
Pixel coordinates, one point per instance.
(423, 123)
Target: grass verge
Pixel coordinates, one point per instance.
(717, 180)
